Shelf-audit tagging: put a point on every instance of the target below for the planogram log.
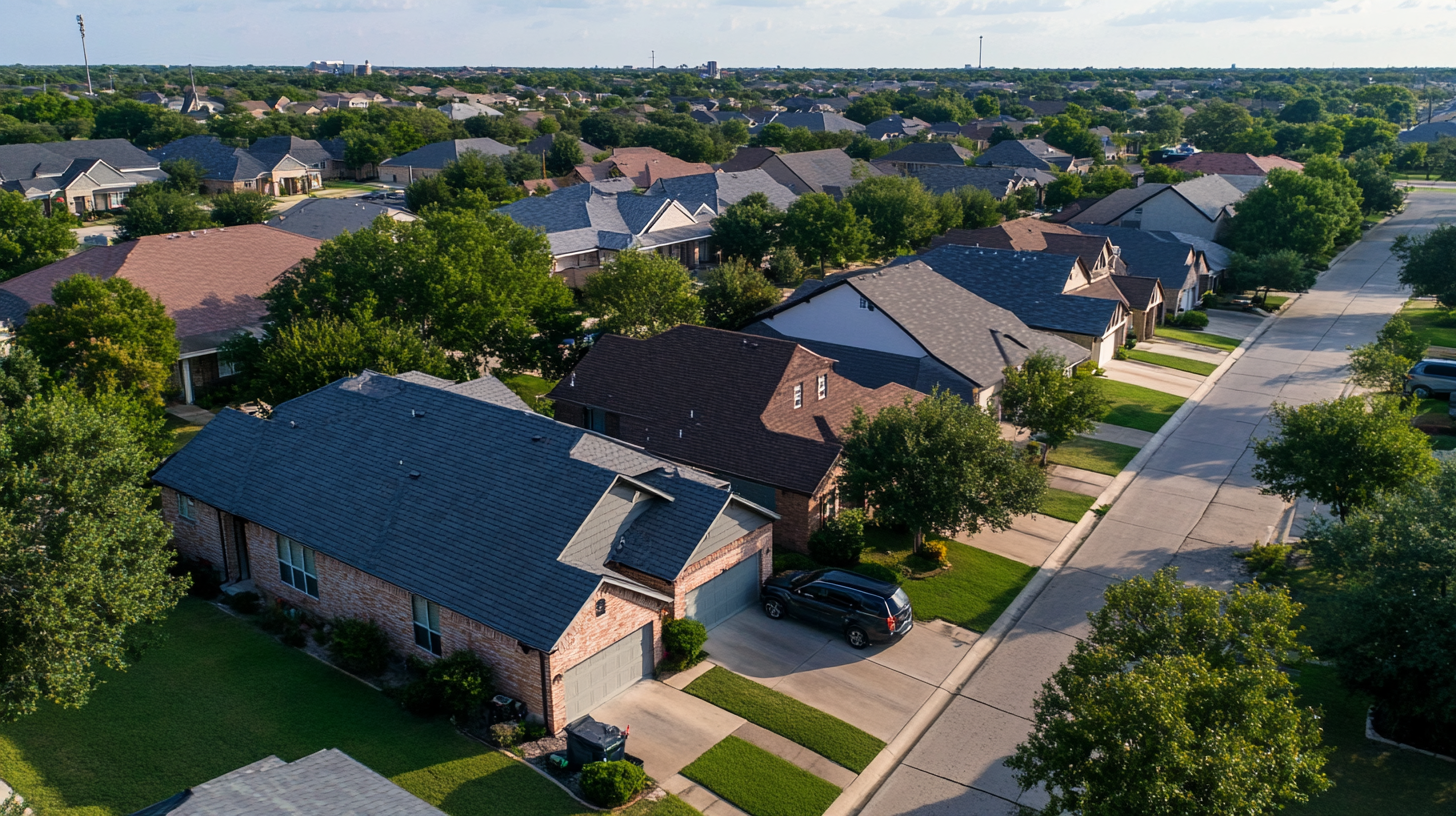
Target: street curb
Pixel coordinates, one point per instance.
(854, 798)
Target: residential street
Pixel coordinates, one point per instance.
(1192, 502)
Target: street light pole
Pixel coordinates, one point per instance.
(980, 51)
(82, 23)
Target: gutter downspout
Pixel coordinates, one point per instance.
(545, 691)
(222, 543)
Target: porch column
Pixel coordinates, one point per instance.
(186, 380)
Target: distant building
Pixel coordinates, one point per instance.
(713, 72)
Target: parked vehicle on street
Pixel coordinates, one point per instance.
(866, 610)
(1430, 377)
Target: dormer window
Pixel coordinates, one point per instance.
(799, 395)
(823, 385)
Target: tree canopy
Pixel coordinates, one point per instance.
(748, 228)
(1294, 211)
(640, 294)
(734, 292)
(898, 210)
(824, 231)
(1039, 397)
(1214, 126)
(1384, 363)
(1428, 263)
(153, 209)
(237, 209)
(28, 239)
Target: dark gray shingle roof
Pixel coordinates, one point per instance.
(873, 369)
(326, 218)
(218, 161)
(436, 156)
(720, 190)
(1151, 254)
(817, 122)
(946, 153)
(1024, 153)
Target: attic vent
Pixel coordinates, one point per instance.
(414, 474)
(538, 439)
(601, 607)
(573, 379)
(292, 424)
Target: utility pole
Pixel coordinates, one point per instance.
(82, 23)
(980, 51)
(654, 60)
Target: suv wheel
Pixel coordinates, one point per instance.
(1422, 392)
(774, 609)
(856, 637)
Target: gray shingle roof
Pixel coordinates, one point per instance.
(1431, 132)
(821, 170)
(873, 369)
(329, 781)
(468, 503)
(1211, 195)
(1117, 204)
(436, 156)
(998, 181)
(218, 161)
(21, 162)
(895, 126)
(946, 153)
(717, 191)
(307, 151)
(1024, 153)
(326, 218)
(542, 144)
(817, 122)
(1151, 254)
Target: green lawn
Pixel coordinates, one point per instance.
(826, 735)
(219, 694)
(1217, 341)
(1198, 367)
(181, 431)
(530, 388)
(1272, 303)
(1435, 325)
(347, 185)
(759, 782)
(1108, 458)
(1133, 406)
(972, 593)
(1066, 505)
(1443, 443)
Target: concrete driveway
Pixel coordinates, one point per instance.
(1233, 324)
(670, 729)
(876, 689)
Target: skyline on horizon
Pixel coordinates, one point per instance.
(909, 34)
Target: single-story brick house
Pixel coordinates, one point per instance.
(456, 518)
(81, 176)
(432, 158)
(763, 413)
(236, 170)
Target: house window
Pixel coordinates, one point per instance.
(427, 625)
(823, 385)
(864, 304)
(295, 566)
(799, 395)
(248, 184)
(184, 507)
(226, 369)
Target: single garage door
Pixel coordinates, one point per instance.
(722, 597)
(603, 675)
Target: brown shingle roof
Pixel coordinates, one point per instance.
(646, 165)
(1235, 164)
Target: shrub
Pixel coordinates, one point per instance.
(786, 561)
(532, 731)
(1208, 301)
(322, 636)
(936, 550)
(879, 572)
(684, 638)
(275, 619)
(1268, 562)
(1191, 320)
(1120, 353)
(506, 734)
(457, 686)
(245, 603)
(360, 646)
(840, 541)
(611, 784)
(293, 636)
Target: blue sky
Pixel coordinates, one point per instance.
(831, 33)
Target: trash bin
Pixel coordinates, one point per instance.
(590, 741)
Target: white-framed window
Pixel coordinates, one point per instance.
(226, 369)
(823, 385)
(184, 507)
(863, 304)
(248, 184)
(296, 566)
(799, 395)
(427, 624)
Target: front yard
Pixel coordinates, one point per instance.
(760, 783)
(219, 694)
(1199, 338)
(1096, 455)
(1198, 367)
(1066, 505)
(1133, 406)
(1434, 324)
(972, 593)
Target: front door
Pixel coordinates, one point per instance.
(240, 543)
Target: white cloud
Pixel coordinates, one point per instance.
(1207, 11)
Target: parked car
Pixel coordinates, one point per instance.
(1429, 377)
(866, 610)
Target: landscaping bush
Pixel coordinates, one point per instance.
(1208, 301)
(245, 603)
(840, 541)
(275, 619)
(611, 784)
(879, 572)
(1191, 320)
(293, 636)
(786, 561)
(532, 731)
(684, 638)
(1268, 562)
(506, 734)
(935, 550)
(1120, 353)
(458, 686)
(359, 646)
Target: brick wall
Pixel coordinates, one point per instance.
(758, 541)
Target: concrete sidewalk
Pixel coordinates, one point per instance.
(1192, 503)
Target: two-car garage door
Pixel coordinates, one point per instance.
(722, 597)
(600, 677)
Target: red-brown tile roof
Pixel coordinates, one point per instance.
(209, 280)
(646, 165)
(1235, 164)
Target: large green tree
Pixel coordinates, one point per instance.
(83, 552)
(824, 231)
(1282, 270)
(1291, 211)
(1384, 363)
(183, 176)
(734, 292)
(937, 466)
(1039, 396)
(1378, 192)
(153, 209)
(1348, 198)
(565, 154)
(1428, 263)
(978, 208)
(237, 209)
(28, 239)
(900, 213)
(1164, 126)
(1177, 702)
(639, 294)
(1215, 125)
(1342, 452)
(1064, 190)
(748, 228)
(146, 126)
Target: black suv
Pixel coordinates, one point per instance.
(864, 609)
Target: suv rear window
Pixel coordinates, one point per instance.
(899, 602)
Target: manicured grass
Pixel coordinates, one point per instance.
(759, 782)
(1433, 323)
(972, 593)
(218, 694)
(1443, 443)
(826, 735)
(181, 431)
(1217, 341)
(1273, 302)
(1066, 505)
(1133, 406)
(531, 388)
(1108, 458)
(347, 185)
(1198, 367)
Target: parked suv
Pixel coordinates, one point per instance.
(1430, 377)
(864, 609)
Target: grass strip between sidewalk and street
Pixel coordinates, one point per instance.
(1133, 406)
(1107, 458)
(1198, 367)
(760, 783)
(1199, 338)
(1066, 505)
(824, 734)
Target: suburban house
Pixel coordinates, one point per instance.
(764, 414)
(644, 166)
(432, 158)
(541, 145)
(895, 126)
(906, 160)
(209, 281)
(998, 181)
(563, 596)
(82, 176)
(236, 170)
(1181, 268)
(1202, 206)
(327, 781)
(911, 325)
(816, 122)
(749, 158)
(326, 218)
(1242, 170)
(709, 194)
(327, 157)
(1033, 153)
(1429, 132)
(817, 171)
(460, 111)
(1057, 294)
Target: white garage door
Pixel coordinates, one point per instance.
(719, 599)
(603, 675)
